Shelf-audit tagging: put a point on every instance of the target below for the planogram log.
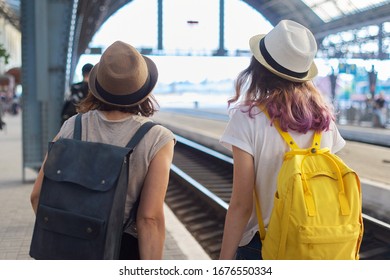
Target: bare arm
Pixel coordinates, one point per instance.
(241, 203)
(150, 216)
(34, 197)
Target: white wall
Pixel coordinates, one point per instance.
(11, 38)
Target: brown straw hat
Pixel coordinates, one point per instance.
(123, 77)
(288, 51)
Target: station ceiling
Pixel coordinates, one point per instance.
(323, 17)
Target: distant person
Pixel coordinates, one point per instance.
(120, 100)
(279, 80)
(2, 123)
(380, 111)
(78, 92)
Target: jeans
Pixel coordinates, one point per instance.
(129, 248)
(251, 251)
(381, 120)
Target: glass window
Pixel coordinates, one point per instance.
(329, 10)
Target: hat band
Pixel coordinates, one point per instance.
(267, 56)
(128, 99)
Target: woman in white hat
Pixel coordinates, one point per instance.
(119, 101)
(278, 80)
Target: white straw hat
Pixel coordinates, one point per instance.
(288, 51)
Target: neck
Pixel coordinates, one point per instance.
(115, 115)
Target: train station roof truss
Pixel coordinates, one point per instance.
(330, 21)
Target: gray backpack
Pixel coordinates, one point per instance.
(81, 206)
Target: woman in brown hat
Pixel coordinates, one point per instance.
(278, 80)
(118, 103)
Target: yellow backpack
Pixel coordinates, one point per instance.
(317, 212)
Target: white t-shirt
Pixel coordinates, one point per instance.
(257, 137)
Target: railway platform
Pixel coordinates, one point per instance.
(17, 218)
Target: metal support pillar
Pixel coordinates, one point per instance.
(381, 53)
(221, 50)
(31, 122)
(45, 37)
(333, 80)
(160, 25)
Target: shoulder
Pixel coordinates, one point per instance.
(162, 132)
(333, 138)
(157, 131)
(246, 116)
(67, 128)
(78, 87)
(156, 138)
(244, 129)
(77, 84)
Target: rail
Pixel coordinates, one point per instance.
(199, 193)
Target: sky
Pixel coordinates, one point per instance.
(136, 24)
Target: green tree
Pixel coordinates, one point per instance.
(4, 54)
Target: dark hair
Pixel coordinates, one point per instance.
(86, 68)
(298, 106)
(147, 108)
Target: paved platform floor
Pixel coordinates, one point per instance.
(17, 217)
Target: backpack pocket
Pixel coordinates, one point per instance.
(63, 235)
(328, 242)
(67, 223)
(62, 166)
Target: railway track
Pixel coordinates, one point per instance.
(199, 192)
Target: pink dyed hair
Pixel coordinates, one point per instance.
(297, 106)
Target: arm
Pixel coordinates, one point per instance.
(241, 203)
(150, 215)
(34, 197)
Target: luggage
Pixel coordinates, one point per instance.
(78, 92)
(2, 124)
(317, 212)
(81, 207)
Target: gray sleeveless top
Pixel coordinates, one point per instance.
(97, 128)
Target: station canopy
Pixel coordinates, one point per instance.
(333, 9)
(343, 28)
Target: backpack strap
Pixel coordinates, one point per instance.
(144, 128)
(133, 141)
(77, 128)
(316, 140)
(140, 134)
(259, 216)
(287, 137)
